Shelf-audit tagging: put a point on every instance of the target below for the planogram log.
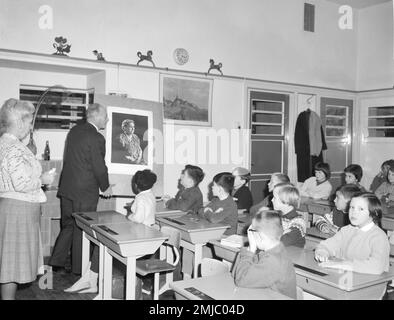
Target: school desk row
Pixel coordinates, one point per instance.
(119, 238)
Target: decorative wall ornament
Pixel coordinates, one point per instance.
(147, 57)
(61, 46)
(181, 56)
(214, 66)
(99, 55)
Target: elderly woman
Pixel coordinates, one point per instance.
(130, 141)
(20, 198)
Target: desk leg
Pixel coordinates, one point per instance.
(130, 278)
(107, 281)
(85, 252)
(197, 258)
(101, 272)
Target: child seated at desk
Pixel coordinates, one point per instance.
(330, 223)
(353, 175)
(265, 263)
(190, 197)
(222, 208)
(143, 211)
(276, 178)
(385, 192)
(319, 186)
(241, 193)
(362, 246)
(286, 199)
(382, 175)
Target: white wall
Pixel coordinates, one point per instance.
(375, 47)
(261, 39)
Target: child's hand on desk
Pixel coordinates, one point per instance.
(165, 198)
(321, 256)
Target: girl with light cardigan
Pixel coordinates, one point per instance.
(362, 246)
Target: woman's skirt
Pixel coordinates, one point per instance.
(20, 241)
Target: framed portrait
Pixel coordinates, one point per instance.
(186, 100)
(129, 140)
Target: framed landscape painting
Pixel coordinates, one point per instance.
(186, 100)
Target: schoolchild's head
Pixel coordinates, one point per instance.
(384, 168)
(191, 176)
(364, 208)
(143, 180)
(285, 196)
(390, 175)
(241, 177)
(343, 195)
(277, 178)
(223, 183)
(322, 171)
(268, 223)
(353, 173)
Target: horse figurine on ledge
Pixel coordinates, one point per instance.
(214, 66)
(147, 57)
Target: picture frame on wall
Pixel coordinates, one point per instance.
(186, 100)
(129, 140)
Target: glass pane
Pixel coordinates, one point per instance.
(335, 132)
(276, 130)
(381, 111)
(335, 122)
(266, 157)
(266, 117)
(267, 106)
(381, 122)
(381, 132)
(336, 155)
(335, 111)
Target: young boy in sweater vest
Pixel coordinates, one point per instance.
(362, 246)
(265, 263)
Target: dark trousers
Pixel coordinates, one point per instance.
(70, 237)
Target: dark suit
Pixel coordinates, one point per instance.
(84, 173)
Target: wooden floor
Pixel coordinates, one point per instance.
(60, 282)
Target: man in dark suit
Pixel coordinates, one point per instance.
(84, 174)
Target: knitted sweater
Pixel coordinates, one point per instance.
(189, 199)
(266, 269)
(367, 251)
(294, 228)
(223, 211)
(310, 188)
(386, 188)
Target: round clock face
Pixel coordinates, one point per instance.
(181, 56)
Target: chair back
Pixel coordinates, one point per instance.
(211, 267)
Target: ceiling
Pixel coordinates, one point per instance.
(359, 3)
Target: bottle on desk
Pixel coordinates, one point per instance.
(47, 152)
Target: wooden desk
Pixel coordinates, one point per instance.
(336, 284)
(224, 252)
(195, 233)
(85, 221)
(126, 242)
(313, 237)
(222, 287)
(162, 211)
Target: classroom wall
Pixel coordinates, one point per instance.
(375, 36)
(261, 39)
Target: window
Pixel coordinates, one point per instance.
(336, 121)
(381, 121)
(61, 108)
(267, 117)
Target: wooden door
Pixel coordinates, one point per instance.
(269, 122)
